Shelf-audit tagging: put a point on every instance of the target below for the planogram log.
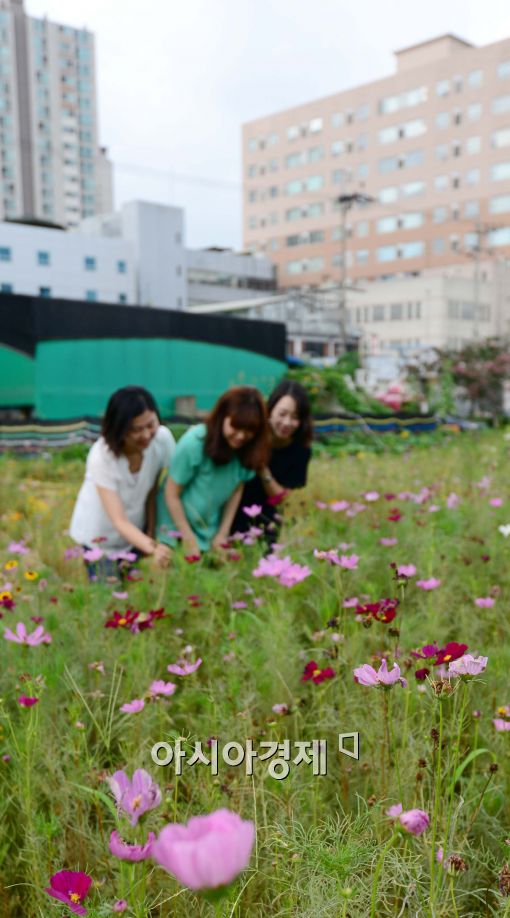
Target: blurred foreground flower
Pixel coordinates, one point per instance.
(468, 665)
(183, 668)
(71, 887)
(21, 636)
(207, 853)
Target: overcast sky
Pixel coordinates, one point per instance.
(177, 79)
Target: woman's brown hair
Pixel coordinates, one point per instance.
(245, 407)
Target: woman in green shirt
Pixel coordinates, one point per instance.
(199, 495)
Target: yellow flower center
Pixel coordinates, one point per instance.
(502, 710)
(137, 802)
(447, 657)
(122, 621)
(31, 575)
(74, 897)
(316, 672)
(5, 595)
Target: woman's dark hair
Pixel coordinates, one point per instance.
(245, 407)
(304, 432)
(124, 405)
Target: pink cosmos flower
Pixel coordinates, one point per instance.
(293, 574)
(386, 541)
(253, 511)
(18, 548)
(70, 887)
(394, 811)
(320, 505)
(120, 594)
(76, 551)
(350, 562)
(133, 707)
(135, 797)
(351, 602)
(367, 675)
(119, 848)
(209, 852)
(183, 668)
(407, 570)
(430, 584)
(413, 821)
(484, 602)
(240, 604)
(501, 725)
(97, 665)
(452, 500)
(468, 665)
(484, 483)
(21, 636)
(496, 502)
(280, 709)
(92, 554)
(338, 505)
(27, 702)
(120, 906)
(160, 687)
(370, 496)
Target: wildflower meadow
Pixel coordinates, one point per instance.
(319, 731)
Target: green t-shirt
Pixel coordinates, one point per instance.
(206, 488)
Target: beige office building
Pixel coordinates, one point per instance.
(430, 144)
(52, 167)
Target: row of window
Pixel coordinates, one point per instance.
(387, 105)
(90, 295)
(398, 312)
(43, 258)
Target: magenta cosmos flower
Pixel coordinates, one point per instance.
(119, 848)
(160, 687)
(137, 796)
(502, 726)
(27, 702)
(21, 636)
(367, 675)
(407, 570)
(314, 673)
(207, 853)
(413, 821)
(468, 665)
(71, 887)
(133, 707)
(254, 510)
(485, 602)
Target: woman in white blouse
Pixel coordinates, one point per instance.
(110, 513)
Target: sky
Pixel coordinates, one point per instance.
(176, 80)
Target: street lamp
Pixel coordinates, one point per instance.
(345, 202)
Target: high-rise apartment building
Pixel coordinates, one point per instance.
(430, 144)
(52, 167)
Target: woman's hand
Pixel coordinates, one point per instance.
(219, 543)
(190, 548)
(161, 555)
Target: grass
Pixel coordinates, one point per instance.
(320, 839)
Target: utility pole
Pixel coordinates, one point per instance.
(346, 202)
(482, 231)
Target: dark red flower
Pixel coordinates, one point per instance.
(7, 603)
(192, 559)
(384, 610)
(145, 620)
(426, 652)
(421, 674)
(316, 674)
(122, 619)
(234, 556)
(275, 499)
(390, 496)
(394, 515)
(452, 651)
(194, 601)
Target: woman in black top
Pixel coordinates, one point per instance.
(290, 426)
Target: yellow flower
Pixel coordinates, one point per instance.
(14, 517)
(360, 455)
(10, 565)
(31, 575)
(404, 433)
(5, 594)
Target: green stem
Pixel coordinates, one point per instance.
(437, 798)
(377, 873)
(455, 910)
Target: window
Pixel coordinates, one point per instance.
(337, 147)
(411, 220)
(501, 138)
(5, 253)
(361, 142)
(294, 159)
(388, 135)
(473, 145)
(293, 132)
(500, 171)
(91, 296)
(294, 187)
(472, 177)
(45, 292)
(438, 246)
(362, 113)
(362, 228)
(363, 170)
(500, 236)
(442, 88)
(6, 288)
(474, 111)
(314, 182)
(123, 298)
(471, 209)
(475, 79)
(315, 154)
(317, 236)
(252, 145)
(396, 311)
(441, 182)
(252, 196)
(443, 120)
(501, 105)
(337, 120)
(377, 313)
(386, 253)
(442, 151)
(503, 70)
(89, 263)
(43, 258)
(388, 164)
(387, 195)
(412, 249)
(500, 204)
(362, 256)
(387, 225)
(315, 125)
(404, 100)
(414, 128)
(339, 175)
(412, 189)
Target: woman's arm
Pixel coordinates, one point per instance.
(173, 493)
(271, 486)
(227, 517)
(150, 510)
(131, 533)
